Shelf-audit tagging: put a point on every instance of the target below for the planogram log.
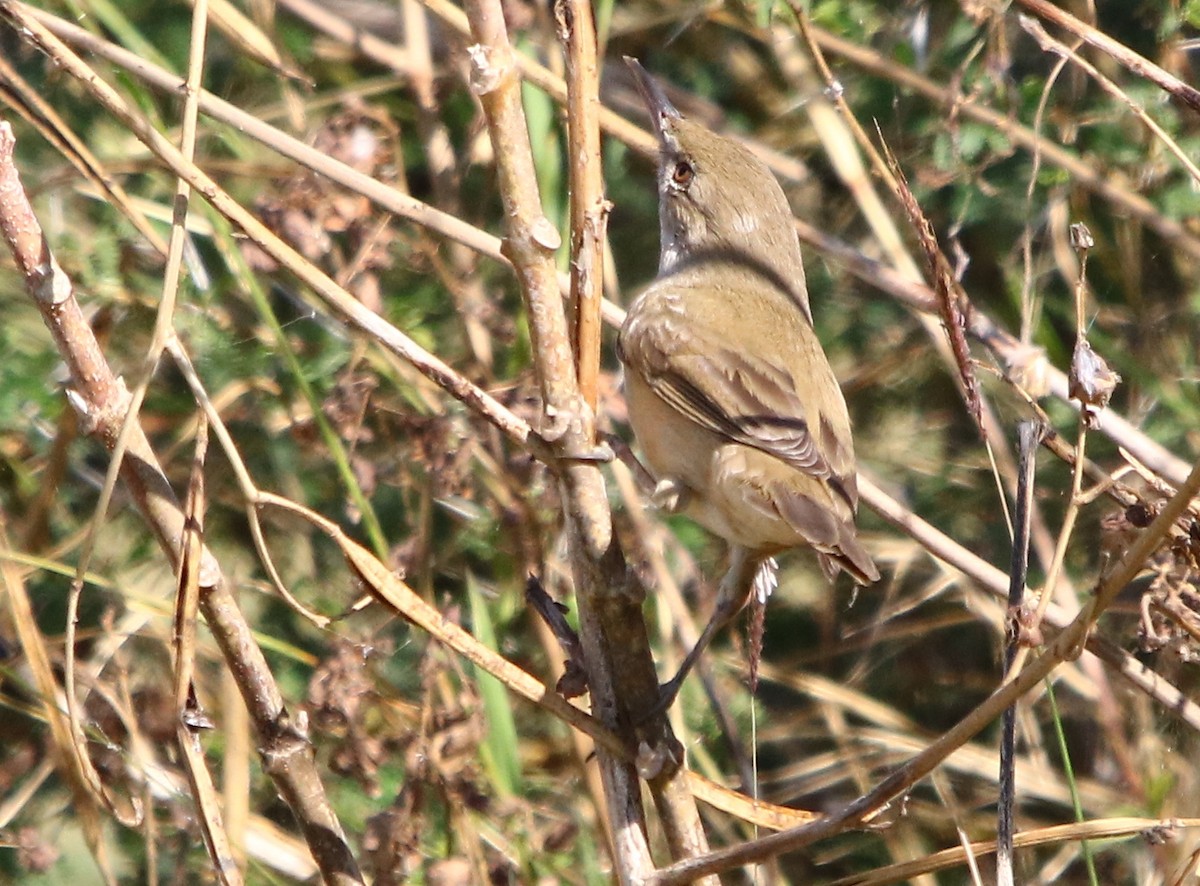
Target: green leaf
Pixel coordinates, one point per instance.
(499, 751)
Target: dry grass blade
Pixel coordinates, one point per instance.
(236, 785)
(191, 721)
(383, 235)
(187, 595)
(66, 753)
(383, 584)
(250, 39)
(951, 300)
(1100, 829)
(756, 812)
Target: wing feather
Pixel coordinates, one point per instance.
(736, 394)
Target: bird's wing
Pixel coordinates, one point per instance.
(738, 395)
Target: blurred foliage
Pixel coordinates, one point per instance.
(437, 774)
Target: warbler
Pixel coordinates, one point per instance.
(731, 398)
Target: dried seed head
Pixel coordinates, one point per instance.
(1081, 238)
(1090, 381)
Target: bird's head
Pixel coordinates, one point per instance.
(716, 198)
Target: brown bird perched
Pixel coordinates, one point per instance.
(739, 416)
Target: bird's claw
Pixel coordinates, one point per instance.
(670, 496)
(601, 453)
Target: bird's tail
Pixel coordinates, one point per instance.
(852, 557)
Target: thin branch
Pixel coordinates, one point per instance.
(1138, 64)
(1028, 433)
(1103, 829)
(589, 209)
(616, 648)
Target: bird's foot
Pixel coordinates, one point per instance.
(601, 453)
(670, 496)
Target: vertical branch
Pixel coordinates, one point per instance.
(191, 721)
(530, 245)
(567, 422)
(1027, 448)
(589, 209)
(621, 677)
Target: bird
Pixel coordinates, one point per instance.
(739, 416)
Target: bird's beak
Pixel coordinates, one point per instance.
(660, 107)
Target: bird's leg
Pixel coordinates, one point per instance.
(747, 573)
(641, 476)
(668, 494)
(553, 427)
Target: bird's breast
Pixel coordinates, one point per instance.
(674, 446)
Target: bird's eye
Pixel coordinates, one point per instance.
(683, 173)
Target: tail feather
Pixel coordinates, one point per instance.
(851, 556)
(832, 533)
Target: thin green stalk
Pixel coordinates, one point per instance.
(1069, 772)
